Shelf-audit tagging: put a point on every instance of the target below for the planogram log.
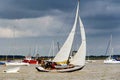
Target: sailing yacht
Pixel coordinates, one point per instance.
(110, 59)
(61, 60)
(14, 63)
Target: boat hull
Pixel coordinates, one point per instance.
(16, 64)
(76, 68)
(12, 70)
(111, 62)
(30, 61)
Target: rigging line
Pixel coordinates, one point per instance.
(109, 47)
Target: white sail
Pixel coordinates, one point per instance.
(63, 54)
(79, 57)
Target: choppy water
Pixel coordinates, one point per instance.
(92, 71)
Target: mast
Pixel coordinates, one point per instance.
(111, 49)
(58, 45)
(14, 42)
(53, 48)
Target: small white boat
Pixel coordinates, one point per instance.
(12, 70)
(16, 64)
(110, 59)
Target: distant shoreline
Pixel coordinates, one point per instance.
(91, 57)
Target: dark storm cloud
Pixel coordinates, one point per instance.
(104, 22)
(96, 14)
(13, 9)
(52, 17)
(101, 17)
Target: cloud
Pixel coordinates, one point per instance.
(48, 19)
(5, 32)
(101, 17)
(13, 9)
(42, 26)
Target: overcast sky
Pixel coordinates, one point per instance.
(29, 24)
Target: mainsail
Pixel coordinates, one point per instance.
(63, 55)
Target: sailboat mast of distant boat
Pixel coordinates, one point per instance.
(14, 42)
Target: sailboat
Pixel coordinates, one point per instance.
(62, 58)
(29, 60)
(14, 63)
(110, 59)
